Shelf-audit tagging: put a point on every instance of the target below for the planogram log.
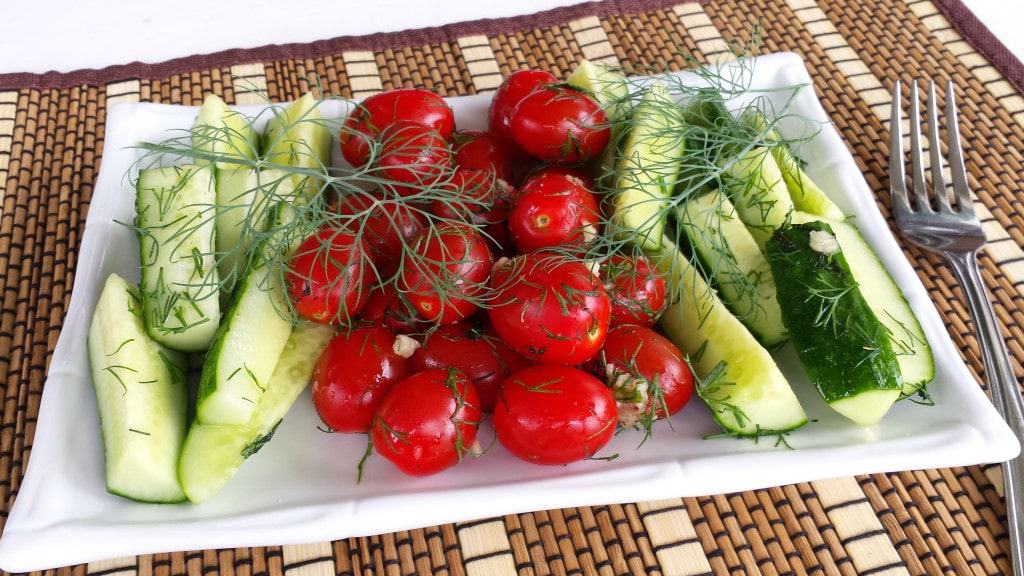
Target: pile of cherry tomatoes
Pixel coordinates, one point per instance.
(561, 352)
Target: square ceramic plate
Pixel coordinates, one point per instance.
(301, 487)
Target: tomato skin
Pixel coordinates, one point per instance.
(637, 290)
(476, 351)
(548, 309)
(476, 150)
(516, 87)
(353, 374)
(326, 276)
(554, 415)
(386, 307)
(560, 125)
(642, 355)
(387, 226)
(553, 208)
(453, 259)
(379, 111)
(423, 418)
(412, 155)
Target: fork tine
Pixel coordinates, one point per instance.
(897, 167)
(956, 157)
(934, 145)
(916, 162)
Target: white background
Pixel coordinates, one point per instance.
(64, 35)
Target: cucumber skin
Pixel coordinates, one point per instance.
(837, 362)
(177, 392)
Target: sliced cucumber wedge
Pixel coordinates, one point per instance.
(213, 453)
(844, 348)
(754, 182)
(245, 350)
(142, 398)
(175, 214)
(647, 168)
(221, 131)
(742, 386)
(735, 263)
(914, 355)
(244, 198)
(299, 136)
(806, 195)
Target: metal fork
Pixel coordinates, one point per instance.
(954, 232)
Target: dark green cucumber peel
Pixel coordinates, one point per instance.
(844, 348)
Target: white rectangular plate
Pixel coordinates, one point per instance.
(301, 487)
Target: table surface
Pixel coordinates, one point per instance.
(142, 32)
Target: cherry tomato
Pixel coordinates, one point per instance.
(386, 225)
(549, 309)
(379, 111)
(449, 272)
(427, 422)
(553, 208)
(475, 150)
(477, 197)
(412, 155)
(648, 375)
(352, 376)
(576, 173)
(636, 289)
(326, 276)
(476, 351)
(511, 91)
(560, 125)
(554, 414)
(391, 309)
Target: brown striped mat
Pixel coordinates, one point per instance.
(923, 522)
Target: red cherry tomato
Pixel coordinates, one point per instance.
(636, 289)
(560, 125)
(580, 175)
(511, 91)
(379, 111)
(553, 209)
(648, 375)
(386, 225)
(352, 376)
(475, 150)
(448, 274)
(554, 414)
(427, 422)
(413, 156)
(387, 307)
(476, 351)
(548, 309)
(476, 196)
(325, 279)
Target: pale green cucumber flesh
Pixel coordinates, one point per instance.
(175, 213)
(647, 168)
(142, 398)
(223, 132)
(298, 136)
(608, 86)
(750, 396)
(245, 351)
(755, 184)
(733, 259)
(213, 453)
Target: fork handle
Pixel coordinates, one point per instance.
(1006, 396)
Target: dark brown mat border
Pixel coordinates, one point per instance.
(979, 36)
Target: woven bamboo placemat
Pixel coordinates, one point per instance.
(922, 522)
